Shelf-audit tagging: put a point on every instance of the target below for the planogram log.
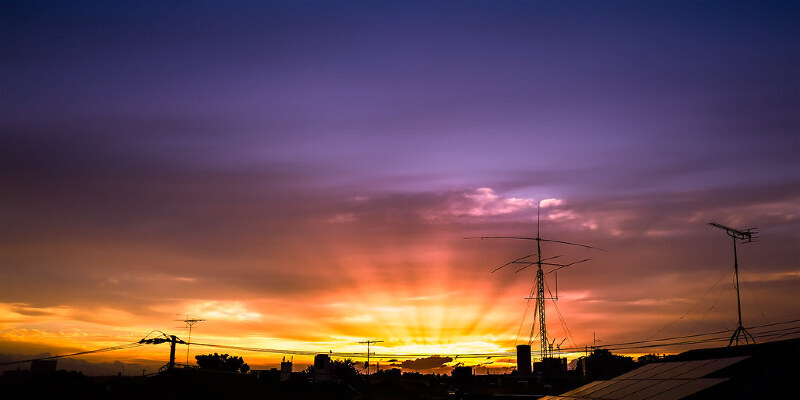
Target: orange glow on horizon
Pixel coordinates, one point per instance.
(423, 292)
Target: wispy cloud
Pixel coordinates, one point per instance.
(222, 310)
(485, 202)
(431, 297)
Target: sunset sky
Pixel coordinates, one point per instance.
(302, 174)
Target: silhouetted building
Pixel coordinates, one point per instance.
(601, 364)
(322, 367)
(322, 361)
(462, 377)
(462, 371)
(271, 375)
(524, 359)
(286, 369)
(39, 367)
(550, 367)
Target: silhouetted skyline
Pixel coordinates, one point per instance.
(300, 174)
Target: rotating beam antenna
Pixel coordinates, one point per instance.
(545, 349)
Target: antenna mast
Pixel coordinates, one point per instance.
(368, 342)
(545, 349)
(189, 324)
(540, 290)
(745, 236)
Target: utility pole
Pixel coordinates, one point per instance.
(746, 236)
(189, 324)
(172, 342)
(368, 342)
(172, 339)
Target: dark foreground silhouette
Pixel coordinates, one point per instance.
(768, 368)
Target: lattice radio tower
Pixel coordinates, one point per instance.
(540, 262)
(189, 324)
(745, 236)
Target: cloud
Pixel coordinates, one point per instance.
(435, 207)
(782, 276)
(485, 202)
(342, 218)
(149, 239)
(222, 310)
(28, 310)
(426, 363)
(257, 198)
(358, 319)
(431, 297)
(551, 203)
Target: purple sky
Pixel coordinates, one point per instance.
(182, 139)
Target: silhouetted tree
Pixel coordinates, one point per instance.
(649, 358)
(344, 370)
(341, 370)
(222, 362)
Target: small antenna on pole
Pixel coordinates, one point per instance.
(189, 324)
(368, 342)
(745, 236)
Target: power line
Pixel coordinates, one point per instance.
(661, 342)
(699, 338)
(80, 353)
(525, 314)
(126, 346)
(692, 308)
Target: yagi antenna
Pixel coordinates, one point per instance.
(745, 236)
(527, 261)
(189, 324)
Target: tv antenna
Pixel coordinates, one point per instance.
(745, 236)
(558, 346)
(527, 261)
(369, 342)
(189, 324)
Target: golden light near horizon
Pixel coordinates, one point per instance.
(302, 176)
